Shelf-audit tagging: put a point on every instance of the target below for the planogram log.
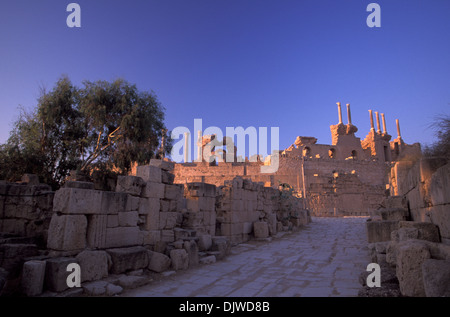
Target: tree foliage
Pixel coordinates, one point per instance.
(100, 126)
(441, 147)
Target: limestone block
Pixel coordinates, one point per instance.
(149, 206)
(394, 214)
(440, 216)
(56, 273)
(112, 221)
(410, 256)
(149, 173)
(192, 219)
(67, 232)
(210, 259)
(260, 230)
(173, 192)
(122, 237)
(79, 184)
(130, 184)
(180, 259)
(192, 251)
(197, 189)
(204, 242)
(436, 278)
(153, 190)
(33, 273)
(404, 234)
(439, 185)
(96, 231)
(247, 227)
(163, 164)
(378, 231)
(128, 219)
(229, 229)
(192, 204)
(426, 230)
(167, 236)
(151, 237)
(128, 259)
(222, 245)
(132, 203)
(101, 288)
(167, 220)
(78, 201)
(93, 264)
(167, 177)
(158, 262)
(113, 203)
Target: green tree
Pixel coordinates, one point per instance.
(102, 126)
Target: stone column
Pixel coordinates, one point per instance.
(384, 123)
(378, 122)
(371, 121)
(339, 112)
(186, 147)
(398, 128)
(349, 115)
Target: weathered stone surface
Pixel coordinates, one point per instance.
(153, 190)
(204, 242)
(439, 185)
(128, 259)
(96, 230)
(122, 237)
(180, 259)
(210, 259)
(425, 230)
(162, 164)
(410, 256)
(198, 189)
(33, 273)
(67, 232)
(78, 201)
(130, 184)
(158, 262)
(78, 184)
(128, 219)
(101, 288)
(436, 277)
(260, 230)
(93, 264)
(113, 203)
(129, 281)
(167, 177)
(132, 203)
(222, 245)
(394, 214)
(192, 251)
(56, 273)
(378, 231)
(173, 192)
(167, 236)
(150, 237)
(149, 173)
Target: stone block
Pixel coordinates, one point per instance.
(78, 201)
(164, 205)
(378, 231)
(398, 214)
(197, 189)
(204, 242)
(153, 190)
(94, 265)
(131, 281)
(411, 254)
(158, 262)
(56, 273)
(192, 219)
(149, 173)
(167, 236)
(247, 227)
(101, 288)
(113, 203)
(149, 206)
(210, 259)
(130, 184)
(230, 229)
(78, 184)
(260, 230)
(112, 221)
(426, 230)
(192, 251)
(173, 192)
(67, 232)
(128, 219)
(132, 203)
(96, 231)
(167, 220)
(150, 237)
(436, 278)
(180, 259)
(222, 245)
(122, 237)
(167, 177)
(163, 164)
(439, 186)
(33, 273)
(128, 259)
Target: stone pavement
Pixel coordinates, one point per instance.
(324, 258)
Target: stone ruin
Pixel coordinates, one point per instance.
(409, 235)
(148, 225)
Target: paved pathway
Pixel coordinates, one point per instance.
(324, 258)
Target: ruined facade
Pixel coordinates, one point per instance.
(348, 177)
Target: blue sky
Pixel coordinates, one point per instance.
(240, 62)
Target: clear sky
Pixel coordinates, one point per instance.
(276, 63)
